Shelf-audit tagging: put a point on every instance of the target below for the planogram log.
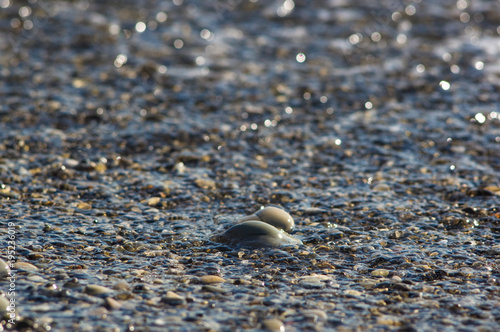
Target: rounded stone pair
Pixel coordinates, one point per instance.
(265, 228)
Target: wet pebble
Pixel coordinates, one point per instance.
(4, 268)
(317, 315)
(256, 234)
(380, 273)
(213, 289)
(274, 325)
(273, 216)
(4, 303)
(96, 290)
(172, 298)
(209, 279)
(25, 266)
(112, 303)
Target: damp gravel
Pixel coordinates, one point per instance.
(132, 132)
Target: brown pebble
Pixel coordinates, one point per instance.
(173, 298)
(210, 279)
(112, 304)
(273, 216)
(96, 290)
(84, 206)
(274, 325)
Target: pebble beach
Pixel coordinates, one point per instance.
(140, 142)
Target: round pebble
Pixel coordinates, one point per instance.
(273, 216)
(4, 268)
(96, 290)
(380, 273)
(256, 234)
(113, 304)
(274, 325)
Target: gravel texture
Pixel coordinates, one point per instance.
(131, 132)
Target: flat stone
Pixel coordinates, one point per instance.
(213, 289)
(315, 314)
(96, 290)
(380, 273)
(84, 206)
(210, 279)
(172, 298)
(25, 266)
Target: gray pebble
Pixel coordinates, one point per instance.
(4, 268)
(273, 216)
(256, 234)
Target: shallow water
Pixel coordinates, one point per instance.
(133, 131)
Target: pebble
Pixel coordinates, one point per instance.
(213, 289)
(273, 216)
(380, 273)
(4, 303)
(84, 206)
(96, 290)
(210, 279)
(4, 268)
(25, 266)
(315, 314)
(112, 304)
(388, 320)
(274, 325)
(172, 298)
(256, 234)
(352, 292)
(310, 282)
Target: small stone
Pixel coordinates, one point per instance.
(274, 325)
(256, 234)
(310, 282)
(311, 211)
(213, 289)
(4, 303)
(273, 216)
(381, 187)
(153, 201)
(205, 183)
(388, 320)
(96, 290)
(100, 168)
(25, 266)
(210, 279)
(352, 292)
(315, 314)
(112, 304)
(4, 268)
(84, 206)
(172, 298)
(72, 283)
(380, 273)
